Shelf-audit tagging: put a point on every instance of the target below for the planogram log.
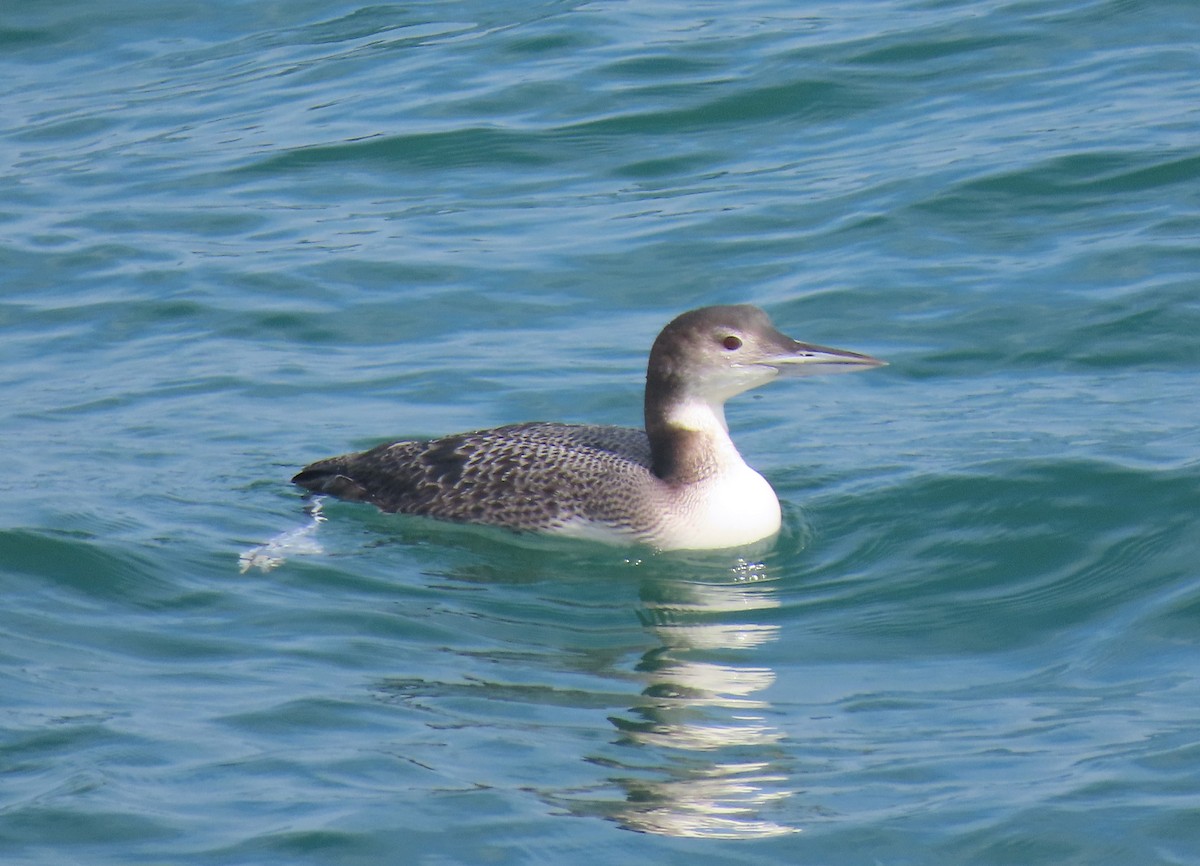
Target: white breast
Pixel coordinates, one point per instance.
(735, 508)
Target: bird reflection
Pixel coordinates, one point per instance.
(706, 763)
(695, 752)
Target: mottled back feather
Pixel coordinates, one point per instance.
(538, 476)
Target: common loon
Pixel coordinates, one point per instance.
(678, 485)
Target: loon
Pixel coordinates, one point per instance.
(680, 484)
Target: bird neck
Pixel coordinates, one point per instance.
(689, 440)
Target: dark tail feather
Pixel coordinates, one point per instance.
(325, 476)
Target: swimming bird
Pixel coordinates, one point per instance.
(679, 484)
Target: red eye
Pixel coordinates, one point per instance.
(731, 342)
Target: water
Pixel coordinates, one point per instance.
(237, 238)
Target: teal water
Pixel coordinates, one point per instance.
(238, 237)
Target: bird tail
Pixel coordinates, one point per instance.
(328, 476)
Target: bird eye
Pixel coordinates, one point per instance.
(731, 342)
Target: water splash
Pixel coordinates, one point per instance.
(300, 541)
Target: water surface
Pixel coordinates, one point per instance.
(237, 238)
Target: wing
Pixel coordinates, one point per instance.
(524, 476)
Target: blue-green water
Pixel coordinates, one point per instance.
(239, 236)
